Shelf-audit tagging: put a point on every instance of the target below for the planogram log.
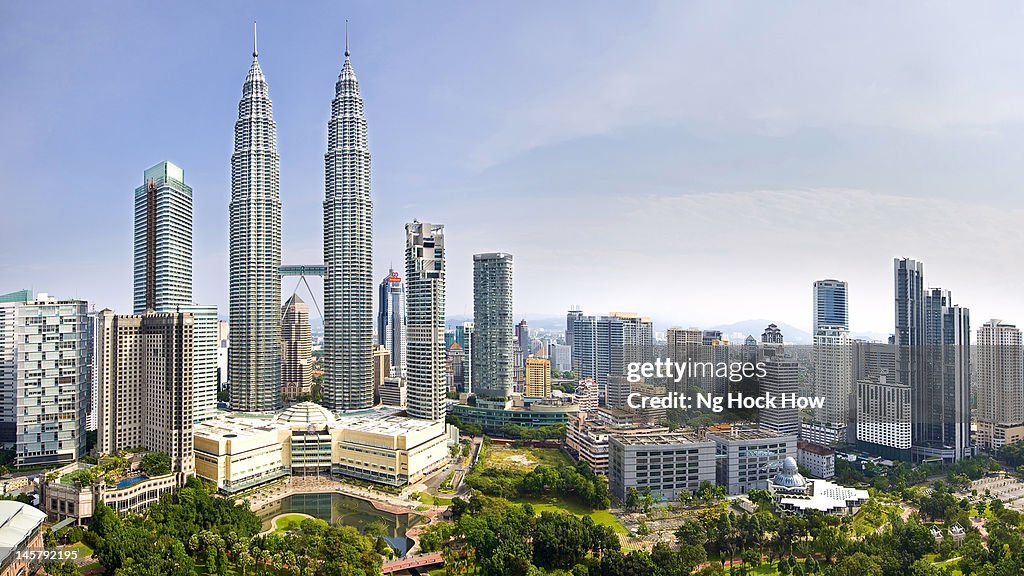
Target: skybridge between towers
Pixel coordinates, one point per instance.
(303, 270)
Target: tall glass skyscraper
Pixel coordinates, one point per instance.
(391, 324)
(348, 251)
(163, 272)
(426, 368)
(163, 240)
(831, 304)
(493, 344)
(254, 360)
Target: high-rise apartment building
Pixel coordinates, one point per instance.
(538, 377)
(831, 304)
(467, 367)
(999, 387)
(870, 359)
(348, 251)
(426, 370)
(884, 417)
(145, 391)
(45, 373)
(296, 349)
(391, 327)
(254, 359)
(381, 370)
(493, 348)
(833, 368)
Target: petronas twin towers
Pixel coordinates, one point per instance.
(254, 361)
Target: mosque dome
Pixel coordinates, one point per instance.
(789, 477)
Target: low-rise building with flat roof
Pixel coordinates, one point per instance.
(748, 457)
(819, 460)
(239, 451)
(667, 463)
(586, 438)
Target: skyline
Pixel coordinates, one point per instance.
(829, 177)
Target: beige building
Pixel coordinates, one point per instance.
(296, 349)
(145, 385)
(538, 377)
(381, 369)
(999, 384)
(135, 492)
(240, 451)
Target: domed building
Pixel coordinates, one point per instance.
(794, 493)
(789, 480)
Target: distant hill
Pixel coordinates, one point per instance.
(738, 331)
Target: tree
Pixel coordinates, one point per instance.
(859, 564)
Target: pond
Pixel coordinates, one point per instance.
(342, 510)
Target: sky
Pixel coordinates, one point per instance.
(701, 163)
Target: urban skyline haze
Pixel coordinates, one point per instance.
(706, 146)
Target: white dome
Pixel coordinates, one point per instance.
(789, 477)
(305, 413)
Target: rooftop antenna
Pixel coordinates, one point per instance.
(347, 53)
(255, 52)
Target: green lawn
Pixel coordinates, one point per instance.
(83, 550)
(433, 500)
(520, 459)
(287, 522)
(553, 504)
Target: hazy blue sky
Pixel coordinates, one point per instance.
(701, 163)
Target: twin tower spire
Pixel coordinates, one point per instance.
(254, 361)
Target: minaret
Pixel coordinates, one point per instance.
(254, 359)
(348, 251)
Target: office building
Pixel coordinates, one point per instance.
(381, 370)
(884, 424)
(163, 271)
(999, 386)
(604, 346)
(560, 356)
(394, 392)
(781, 380)
(348, 251)
(163, 240)
(254, 359)
(538, 377)
(296, 349)
(426, 370)
(522, 331)
(932, 339)
(748, 458)
(493, 348)
(46, 375)
(223, 343)
(831, 305)
(666, 463)
(494, 415)
(391, 328)
(146, 375)
(619, 389)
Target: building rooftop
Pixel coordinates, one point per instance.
(384, 420)
(815, 448)
(728, 432)
(17, 521)
(657, 438)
